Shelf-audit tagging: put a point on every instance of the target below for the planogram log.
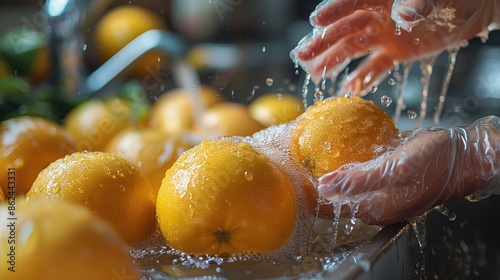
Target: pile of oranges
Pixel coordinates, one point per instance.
(191, 173)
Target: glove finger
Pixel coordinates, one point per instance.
(369, 73)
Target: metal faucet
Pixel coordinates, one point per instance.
(66, 18)
(66, 43)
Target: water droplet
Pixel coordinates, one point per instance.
(397, 31)
(391, 81)
(18, 162)
(373, 89)
(411, 114)
(269, 81)
(248, 175)
(319, 95)
(85, 152)
(54, 189)
(386, 101)
(263, 49)
(416, 41)
(84, 47)
(328, 147)
(120, 173)
(296, 71)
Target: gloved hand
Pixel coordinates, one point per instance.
(350, 29)
(430, 168)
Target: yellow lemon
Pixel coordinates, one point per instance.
(57, 240)
(224, 197)
(340, 130)
(94, 122)
(109, 185)
(151, 150)
(120, 26)
(275, 108)
(176, 110)
(27, 145)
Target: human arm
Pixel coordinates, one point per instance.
(345, 30)
(431, 168)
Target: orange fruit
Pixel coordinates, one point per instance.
(28, 145)
(275, 108)
(176, 110)
(57, 240)
(107, 184)
(120, 26)
(5, 69)
(224, 197)
(338, 131)
(227, 119)
(151, 150)
(94, 122)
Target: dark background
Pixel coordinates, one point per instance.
(268, 30)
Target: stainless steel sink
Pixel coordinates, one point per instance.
(467, 247)
(462, 245)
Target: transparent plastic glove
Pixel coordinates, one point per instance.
(432, 167)
(349, 29)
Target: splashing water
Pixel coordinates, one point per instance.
(426, 66)
(412, 114)
(418, 225)
(305, 89)
(373, 89)
(401, 86)
(397, 31)
(391, 82)
(269, 82)
(452, 58)
(446, 212)
(319, 95)
(386, 101)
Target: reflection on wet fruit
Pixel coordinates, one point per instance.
(57, 240)
(151, 150)
(119, 27)
(109, 185)
(227, 119)
(174, 112)
(275, 108)
(224, 197)
(94, 122)
(28, 145)
(338, 131)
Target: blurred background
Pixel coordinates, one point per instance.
(239, 47)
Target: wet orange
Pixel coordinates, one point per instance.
(338, 131)
(27, 145)
(58, 240)
(94, 122)
(176, 110)
(224, 197)
(275, 108)
(120, 26)
(151, 150)
(226, 119)
(107, 184)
